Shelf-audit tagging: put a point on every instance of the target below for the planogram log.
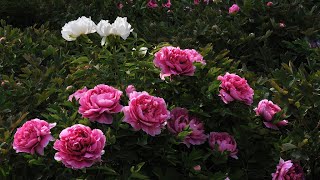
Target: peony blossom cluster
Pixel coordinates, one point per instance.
(176, 61)
(233, 87)
(83, 25)
(79, 146)
(145, 112)
(267, 109)
(180, 119)
(33, 136)
(120, 27)
(225, 142)
(98, 104)
(288, 170)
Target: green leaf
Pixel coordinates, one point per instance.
(288, 146)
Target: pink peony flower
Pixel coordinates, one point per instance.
(79, 146)
(269, 3)
(197, 168)
(225, 142)
(130, 90)
(196, 2)
(33, 136)
(233, 87)
(78, 94)
(99, 103)
(175, 61)
(267, 110)
(287, 170)
(179, 120)
(194, 56)
(146, 112)
(167, 5)
(119, 5)
(152, 4)
(234, 9)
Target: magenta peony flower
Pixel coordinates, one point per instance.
(99, 103)
(167, 5)
(234, 9)
(267, 110)
(33, 136)
(78, 94)
(152, 4)
(225, 142)
(288, 170)
(179, 120)
(175, 61)
(79, 146)
(146, 112)
(130, 90)
(233, 87)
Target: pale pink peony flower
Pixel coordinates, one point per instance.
(233, 87)
(269, 3)
(99, 103)
(206, 1)
(225, 142)
(152, 4)
(179, 120)
(197, 168)
(287, 170)
(79, 146)
(234, 9)
(130, 90)
(69, 87)
(175, 61)
(167, 5)
(146, 112)
(266, 109)
(33, 136)
(282, 25)
(78, 94)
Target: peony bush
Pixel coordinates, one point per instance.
(227, 104)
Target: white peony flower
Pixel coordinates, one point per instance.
(143, 51)
(83, 25)
(104, 29)
(122, 27)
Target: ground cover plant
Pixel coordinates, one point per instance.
(150, 89)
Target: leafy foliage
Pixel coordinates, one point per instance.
(38, 67)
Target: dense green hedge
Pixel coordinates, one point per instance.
(37, 65)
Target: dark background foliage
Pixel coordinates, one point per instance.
(37, 65)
